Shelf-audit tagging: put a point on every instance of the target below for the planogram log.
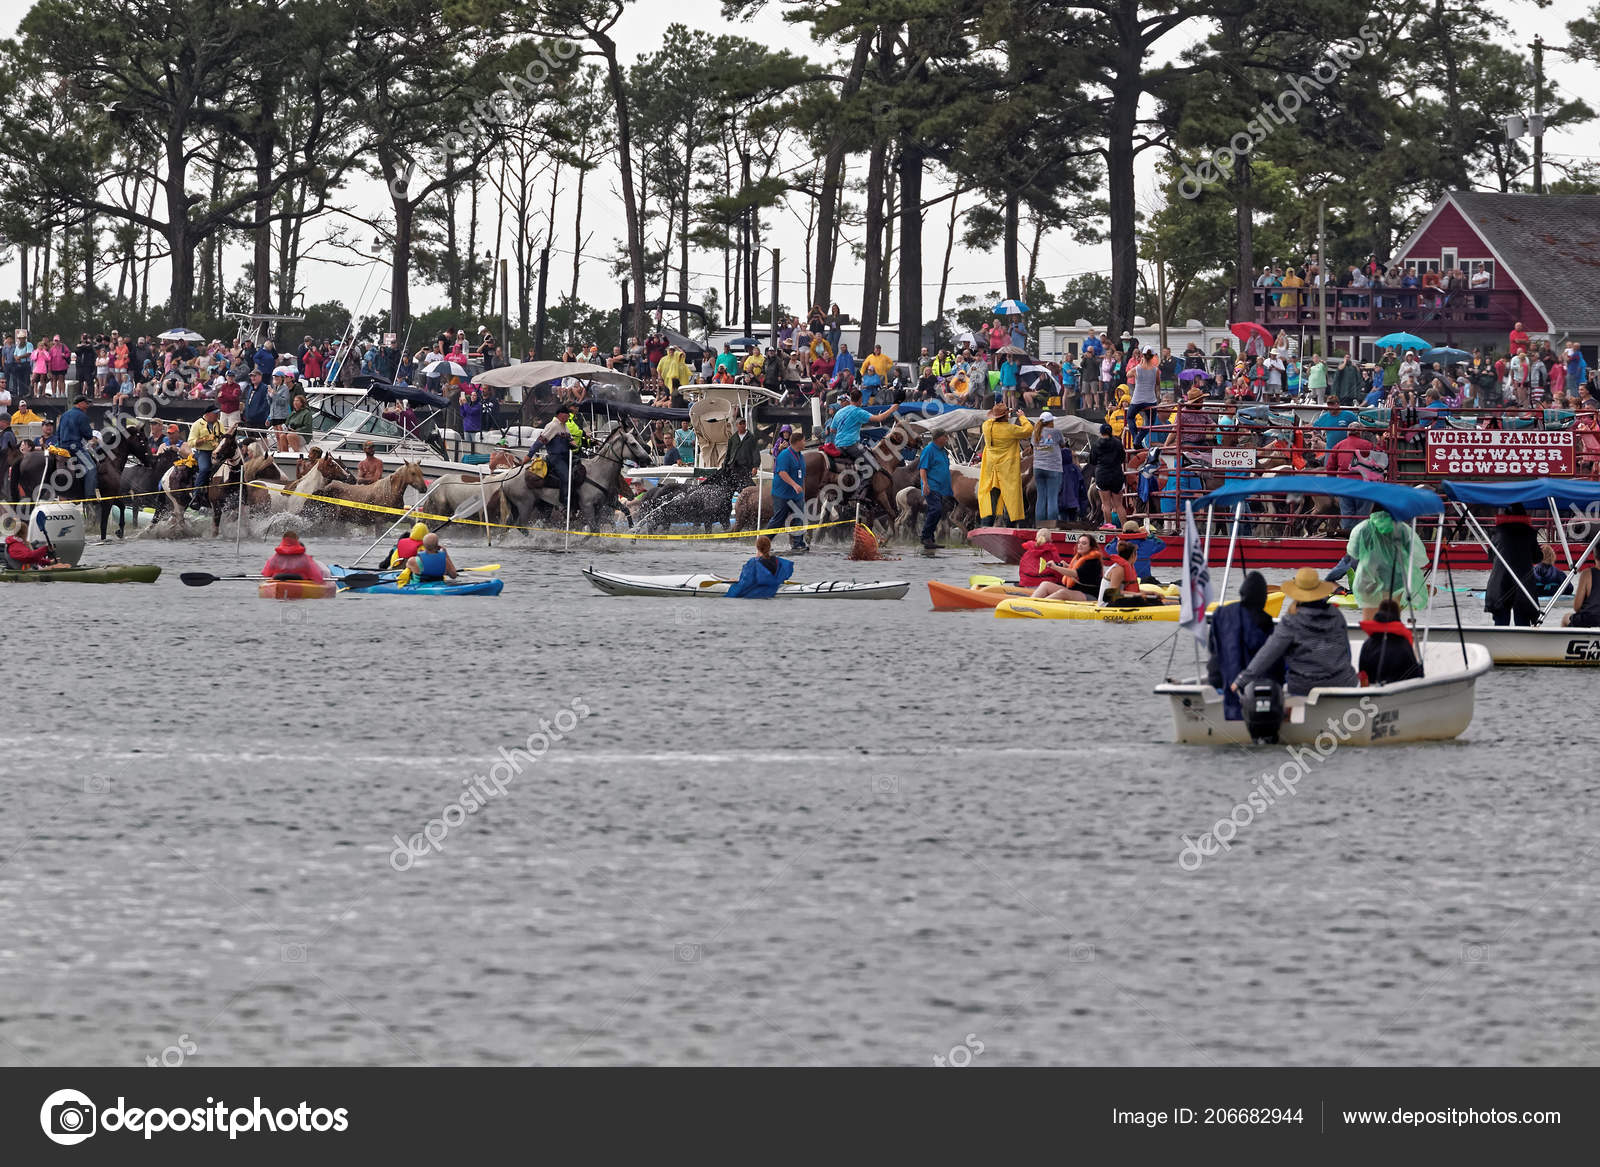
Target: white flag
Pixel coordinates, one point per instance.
(1196, 579)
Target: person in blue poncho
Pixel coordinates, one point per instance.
(761, 576)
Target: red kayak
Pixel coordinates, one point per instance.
(1005, 544)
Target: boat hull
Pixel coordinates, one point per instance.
(1546, 647)
(1436, 707)
(474, 587)
(714, 586)
(1028, 609)
(953, 598)
(296, 589)
(116, 573)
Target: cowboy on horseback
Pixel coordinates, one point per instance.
(74, 433)
(203, 438)
(846, 426)
(560, 446)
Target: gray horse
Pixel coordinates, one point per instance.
(525, 497)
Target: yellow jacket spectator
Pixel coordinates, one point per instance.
(877, 362)
(754, 364)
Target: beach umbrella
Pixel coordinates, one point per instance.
(1010, 308)
(180, 333)
(1247, 330)
(443, 368)
(1447, 356)
(1192, 374)
(1401, 340)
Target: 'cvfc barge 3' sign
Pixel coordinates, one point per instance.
(1492, 453)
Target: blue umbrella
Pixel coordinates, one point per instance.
(1010, 308)
(1401, 340)
(1447, 356)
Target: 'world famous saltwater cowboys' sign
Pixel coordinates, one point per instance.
(1496, 453)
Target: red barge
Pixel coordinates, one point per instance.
(1216, 442)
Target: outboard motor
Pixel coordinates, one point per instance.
(1262, 705)
(58, 526)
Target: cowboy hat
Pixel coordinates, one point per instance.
(1307, 586)
(1195, 394)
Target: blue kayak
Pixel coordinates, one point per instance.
(388, 587)
(472, 587)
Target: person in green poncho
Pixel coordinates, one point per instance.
(1389, 562)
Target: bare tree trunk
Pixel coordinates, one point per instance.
(1009, 246)
(577, 238)
(910, 251)
(631, 203)
(832, 191)
(265, 139)
(873, 275)
(949, 250)
(891, 166)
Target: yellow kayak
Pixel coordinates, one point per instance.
(1020, 609)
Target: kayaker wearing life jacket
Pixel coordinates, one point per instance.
(290, 560)
(1389, 654)
(1079, 578)
(1146, 546)
(432, 563)
(761, 576)
(1044, 565)
(407, 546)
(20, 555)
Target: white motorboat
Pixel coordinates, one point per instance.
(713, 585)
(1435, 707)
(1547, 645)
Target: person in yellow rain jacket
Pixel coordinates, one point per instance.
(1117, 415)
(1001, 474)
(673, 369)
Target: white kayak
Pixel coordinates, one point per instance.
(1548, 645)
(716, 585)
(1435, 707)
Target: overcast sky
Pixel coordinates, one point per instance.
(974, 272)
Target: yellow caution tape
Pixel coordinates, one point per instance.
(368, 506)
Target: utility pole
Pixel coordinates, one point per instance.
(1161, 302)
(1537, 123)
(1322, 279)
(505, 309)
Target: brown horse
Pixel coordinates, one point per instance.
(387, 492)
(324, 470)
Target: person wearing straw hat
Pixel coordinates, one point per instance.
(1311, 641)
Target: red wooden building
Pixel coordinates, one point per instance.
(1540, 254)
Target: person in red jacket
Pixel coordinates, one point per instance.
(1519, 339)
(290, 560)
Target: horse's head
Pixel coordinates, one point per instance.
(332, 471)
(410, 474)
(632, 447)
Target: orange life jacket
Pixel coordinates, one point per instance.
(1130, 577)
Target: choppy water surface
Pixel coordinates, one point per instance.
(783, 833)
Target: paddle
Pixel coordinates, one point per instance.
(200, 579)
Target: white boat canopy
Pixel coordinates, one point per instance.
(527, 374)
